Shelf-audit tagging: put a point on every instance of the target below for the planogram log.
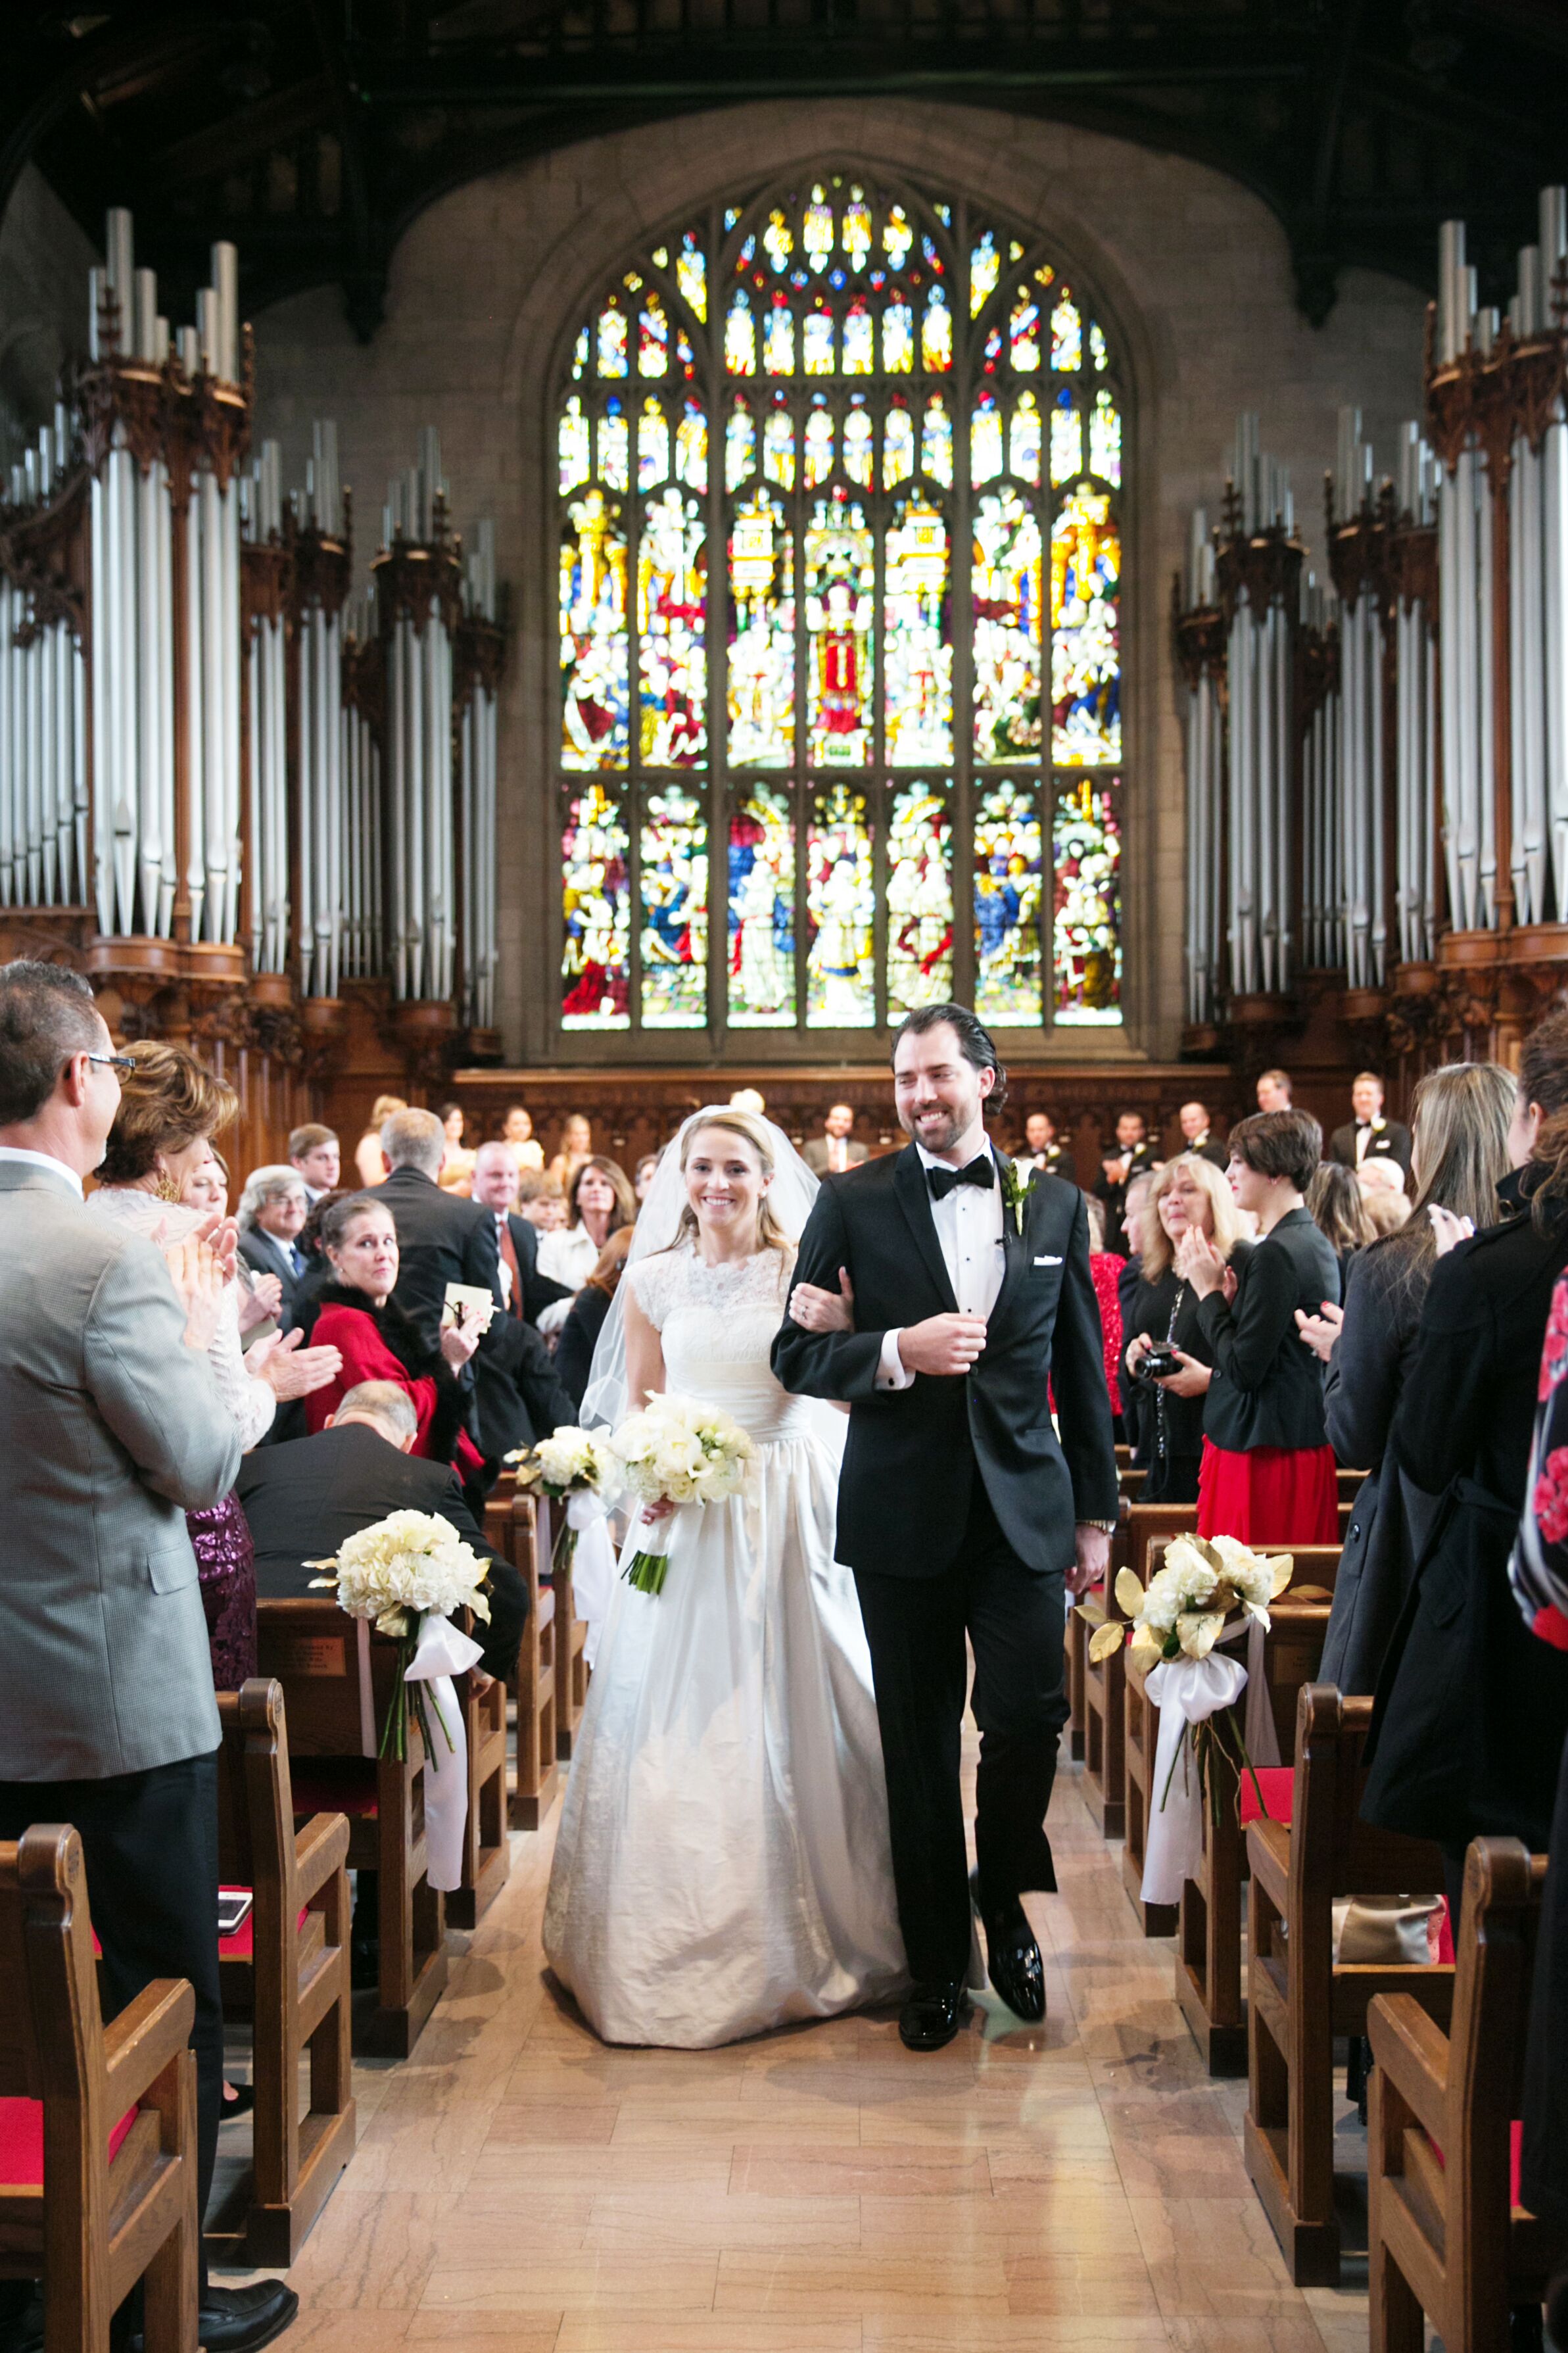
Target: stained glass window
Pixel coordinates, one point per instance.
(1087, 923)
(914, 489)
(672, 865)
(920, 898)
(760, 988)
(595, 905)
(1008, 862)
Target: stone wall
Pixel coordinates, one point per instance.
(44, 263)
(1188, 270)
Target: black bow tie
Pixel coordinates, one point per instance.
(981, 1171)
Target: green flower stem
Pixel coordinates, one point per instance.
(644, 1572)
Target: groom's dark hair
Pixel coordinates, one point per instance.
(975, 1040)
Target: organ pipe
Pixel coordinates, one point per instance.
(1258, 567)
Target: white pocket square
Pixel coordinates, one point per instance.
(1047, 1261)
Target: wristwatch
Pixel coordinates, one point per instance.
(1110, 1526)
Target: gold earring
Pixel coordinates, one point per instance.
(165, 1189)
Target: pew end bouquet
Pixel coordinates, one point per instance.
(409, 1568)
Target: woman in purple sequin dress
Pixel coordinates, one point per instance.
(156, 1178)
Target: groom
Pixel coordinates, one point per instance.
(921, 1302)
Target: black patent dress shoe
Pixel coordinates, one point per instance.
(932, 2016)
(241, 2319)
(1013, 1959)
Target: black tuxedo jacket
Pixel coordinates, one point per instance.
(303, 1498)
(1389, 1141)
(262, 1255)
(910, 1455)
(1056, 1161)
(441, 1239)
(1211, 1150)
(1140, 1161)
(538, 1290)
(1268, 1388)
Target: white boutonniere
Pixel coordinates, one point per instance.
(1016, 1189)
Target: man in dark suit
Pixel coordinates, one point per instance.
(272, 1209)
(1193, 1118)
(302, 1498)
(1042, 1151)
(829, 1154)
(1370, 1137)
(1133, 1156)
(441, 1237)
(934, 1293)
(495, 1181)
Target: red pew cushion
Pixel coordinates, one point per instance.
(1277, 1783)
(22, 2141)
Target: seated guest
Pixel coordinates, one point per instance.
(1187, 1195)
(748, 1098)
(369, 1158)
(303, 1499)
(1194, 1119)
(1042, 1151)
(643, 1176)
(1386, 1212)
(517, 1129)
(598, 1201)
(585, 1318)
(1337, 1209)
(458, 1167)
(1267, 1469)
(1377, 1177)
(205, 1188)
(1472, 1708)
(313, 1151)
(1368, 1135)
(1274, 1091)
(576, 1143)
(496, 1179)
(1133, 1155)
(379, 1340)
(272, 1210)
(541, 1200)
(1463, 1112)
(835, 1149)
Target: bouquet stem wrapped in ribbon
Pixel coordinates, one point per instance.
(675, 1452)
(1207, 1592)
(406, 1574)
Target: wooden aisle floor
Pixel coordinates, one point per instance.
(823, 2190)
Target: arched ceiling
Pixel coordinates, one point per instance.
(311, 130)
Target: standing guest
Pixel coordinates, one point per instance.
(643, 1176)
(378, 1339)
(1368, 1135)
(1104, 1271)
(598, 1201)
(585, 1318)
(313, 1151)
(576, 1143)
(1338, 1210)
(116, 1431)
(524, 1290)
(369, 1158)
(541, 1200)
(1267, 1469)
(1133, 1157)
(205, 1190)
(457, 1168)
(272, 1211)
(440, 1238)
(1463, 1113)
(1187, 1195)
(1194, 1119)
(1472, 1710)
(517, 1129)
(1135, 1422)
(170, 1104)
(1274, 1091)
(1042, 1151)
(836, 1149)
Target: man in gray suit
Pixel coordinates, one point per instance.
(836, 1149)
(113, 1430)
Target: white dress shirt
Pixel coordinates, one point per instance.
(968, 1221)
(1366, 1129)
(43, 1160)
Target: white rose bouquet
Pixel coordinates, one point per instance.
(676, 1451)
(569, 1462)
(410, 1568)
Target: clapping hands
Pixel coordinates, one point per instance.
(1200, 1267)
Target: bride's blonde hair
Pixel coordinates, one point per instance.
(770, 1233)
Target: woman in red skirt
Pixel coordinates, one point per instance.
(1267, 1469)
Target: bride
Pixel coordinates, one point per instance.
(722, 1863)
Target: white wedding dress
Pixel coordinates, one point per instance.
(722, 1862)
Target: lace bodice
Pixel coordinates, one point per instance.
(717, 1324)
(249, 1402)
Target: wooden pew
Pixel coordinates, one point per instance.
(109, 2111)
(338, 1680)
(518, 1530)
(287, 1972)
(1105, 1684)
(1299, 1997)
(572, 1635)
(1447, 2237)
(1208, 1930)
(487, 1845)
